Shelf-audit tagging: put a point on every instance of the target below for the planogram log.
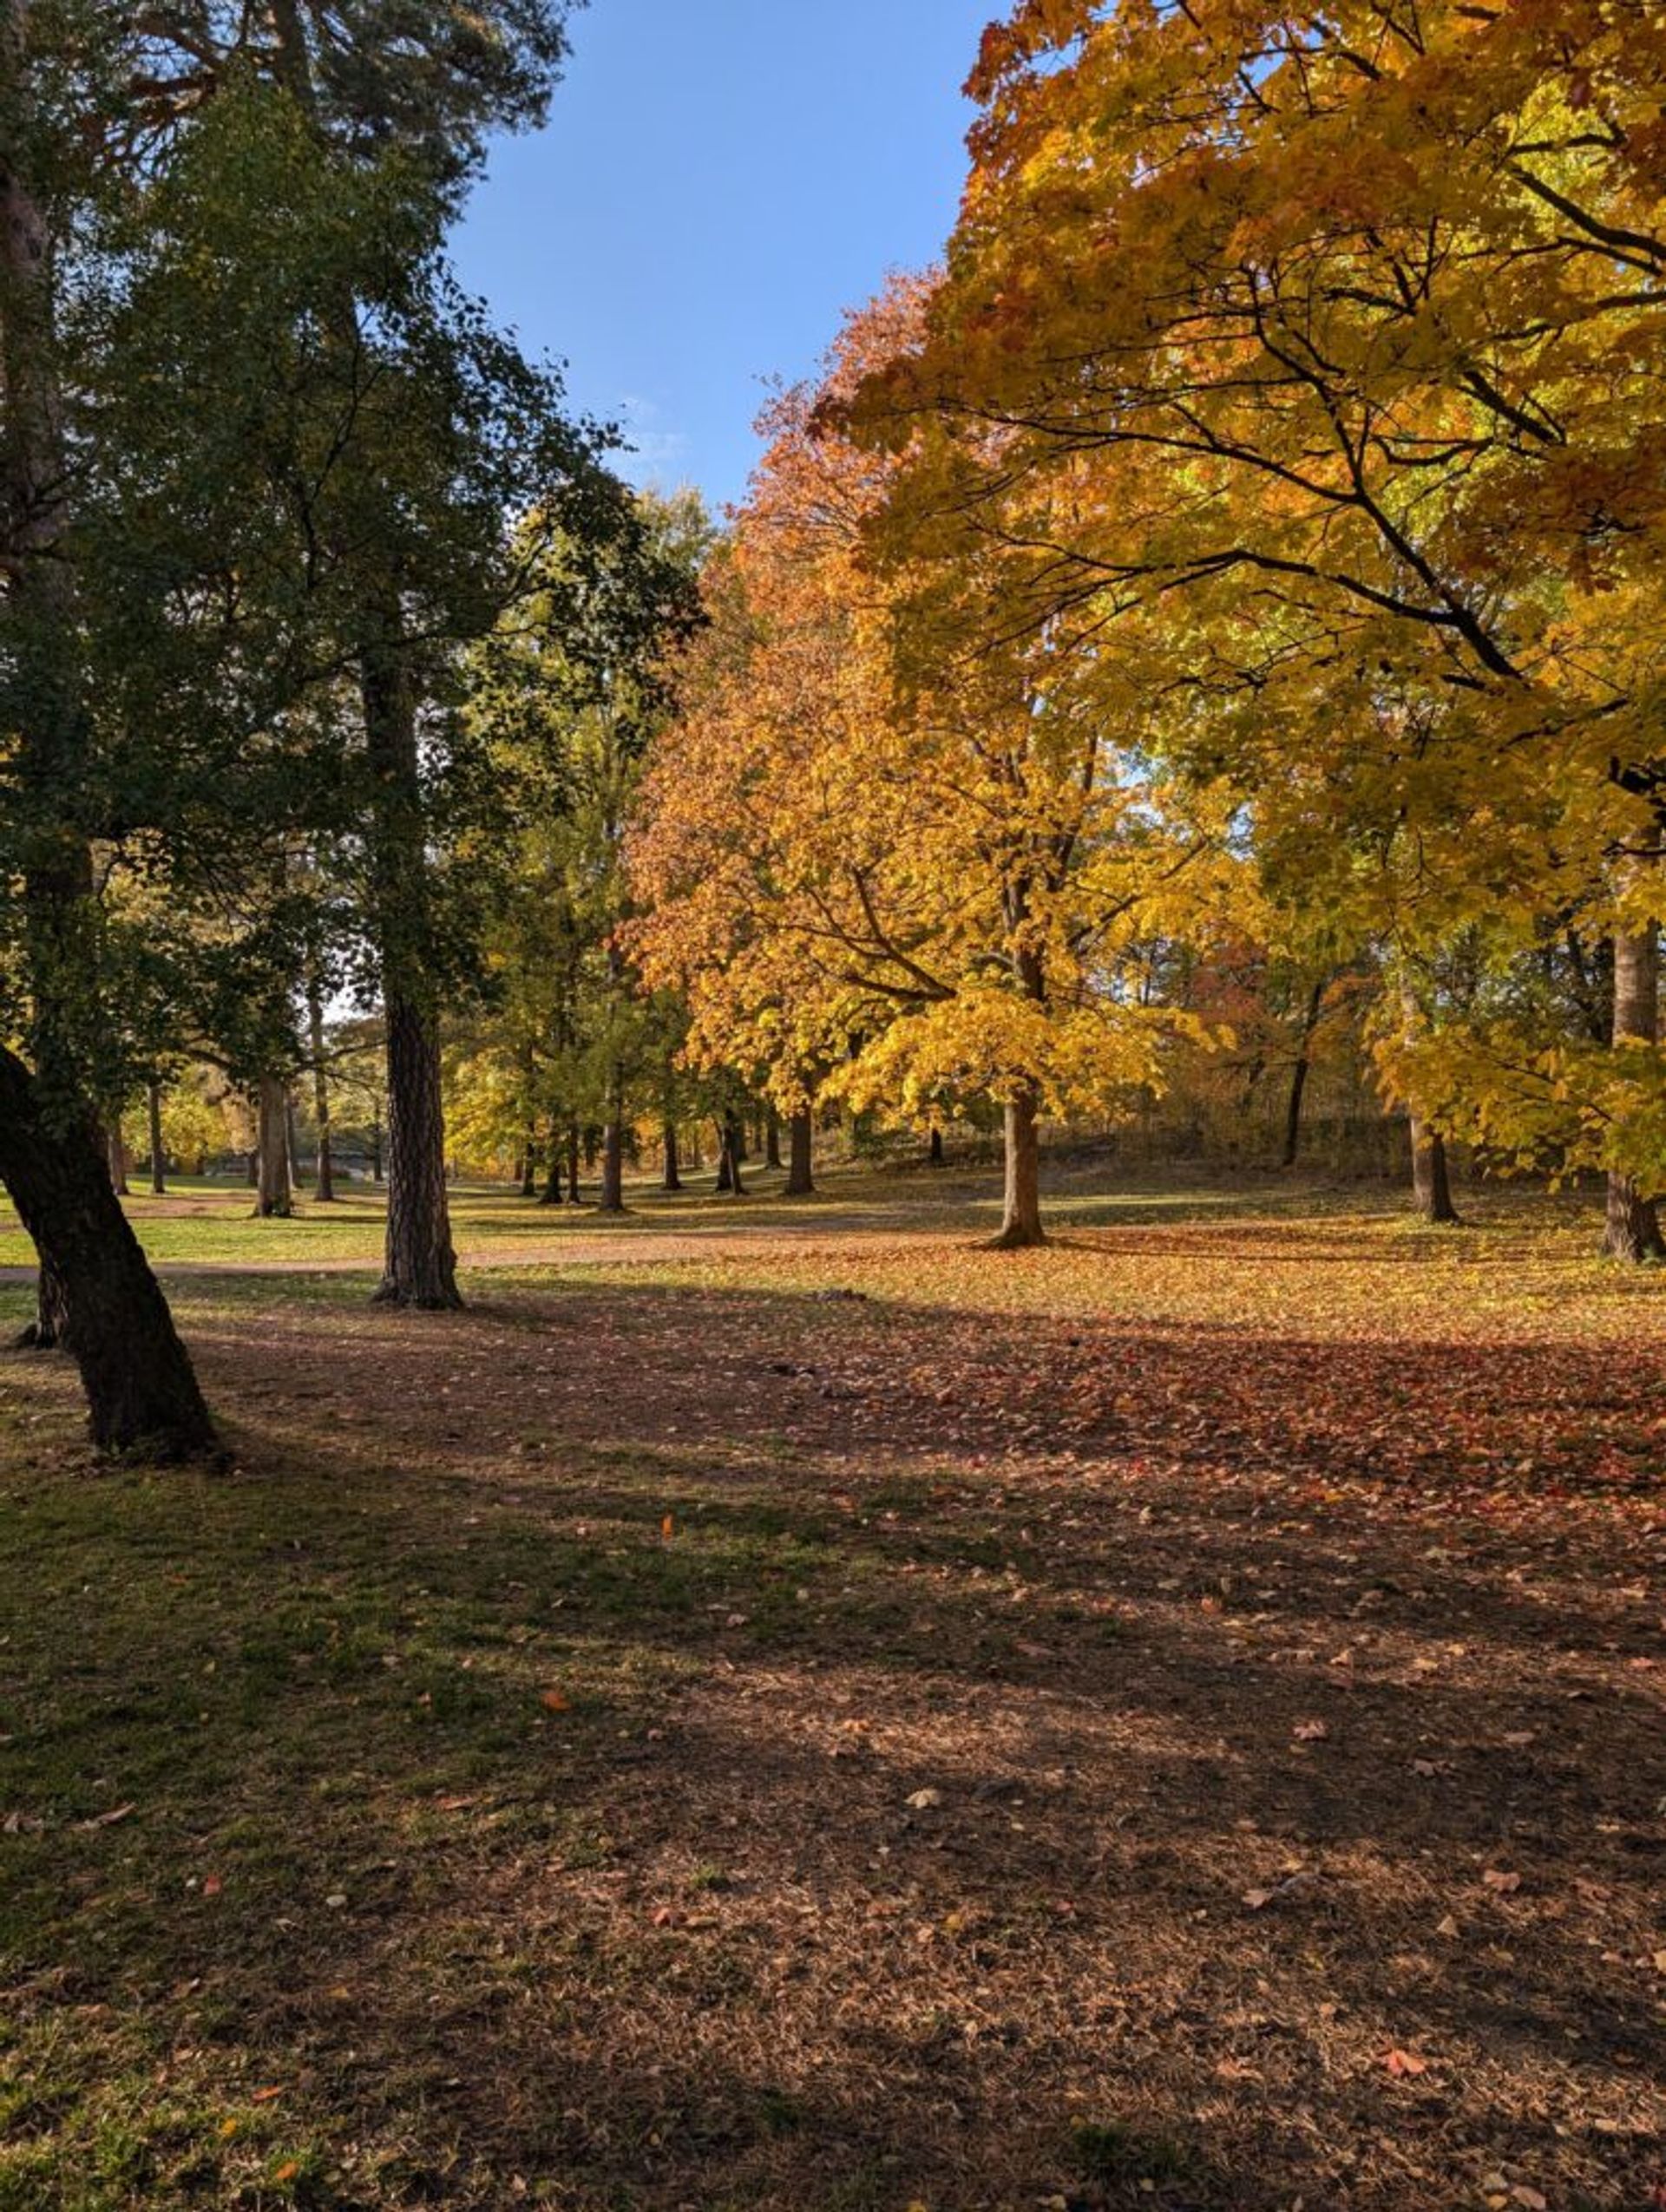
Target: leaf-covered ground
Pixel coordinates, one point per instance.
(828, 1717)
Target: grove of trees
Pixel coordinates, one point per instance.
(1201, 642)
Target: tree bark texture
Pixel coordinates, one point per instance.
(274, 1196)
(143, 1395)
(1021, 1225)
(1431, 1177)
(158, 1161)
(800, 1139)
(419, 1267)
(672, 1179)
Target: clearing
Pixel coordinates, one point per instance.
(780, 1707)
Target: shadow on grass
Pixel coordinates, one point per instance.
(417, 1818)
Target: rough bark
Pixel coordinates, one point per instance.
(1633, 1228)
(158, 1161)
(1021, 1225)
(934, 1149)
(116, 1152)
(801, 1137)
(420, 1269)
(1431, 1177)
(142, 1395)
(772, 1139)
(527, 1177)
(671, 1180)
(274, 1196)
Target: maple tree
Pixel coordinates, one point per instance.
(1331, 335)
(889, 864)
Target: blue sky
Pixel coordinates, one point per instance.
(718, 180)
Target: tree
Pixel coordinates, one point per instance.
(98, 1297)
(885, 857)
(1328, 331)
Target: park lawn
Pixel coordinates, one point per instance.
(846, 1720)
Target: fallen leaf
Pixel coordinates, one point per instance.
(288, 2170)
(553, 1701)
(212, 1885)
(109, 1819)
(1505, 1884)
(1311, 1732)
(924, 1800)
(1405, 2066)
(266, 2096)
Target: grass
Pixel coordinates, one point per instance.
(1170, 1721)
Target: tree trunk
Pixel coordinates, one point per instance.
(935, 1150)
(528, 1177)
(274, 1198)
(551, 1192)
(142, 1395)
(116, 1152)
(800, 1181)
(376, 1147)
(1020, 1224)
(251, 1167)
(292, 1139)
(1299, 1078)
(326, 1176)
(728, 1157)
(772, 1139)
(158, 1161)
(672, 1180)
(571, 1147)
(1633, 1230)
(612, 1159)
(420, 1269)
(1431, 1181)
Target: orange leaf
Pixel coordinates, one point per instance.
(1405, 2066)
(553, 1701)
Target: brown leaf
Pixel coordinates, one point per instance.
(1505, 1884)
(553, 1701)
(1405, 2066)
